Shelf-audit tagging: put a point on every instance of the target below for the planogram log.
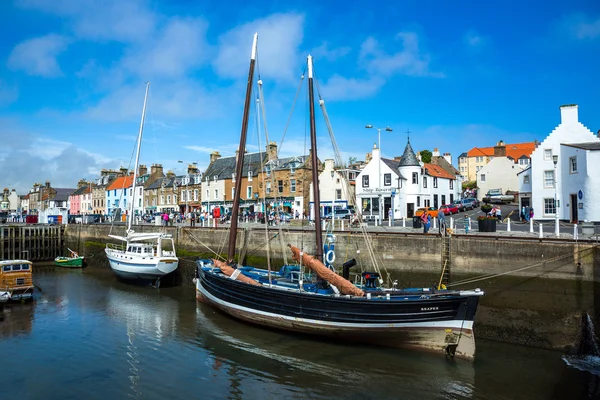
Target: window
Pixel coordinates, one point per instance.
(338, 194)
(443, 199)
(168, 199)
(523, 161)
(547, 154)
(451, 185)
(162, 199)
(548, 179)
(268, 170)
(280, 186)
(424, 181)
(434, 182)
(573, 165)
(415, 178)
(249, 192)
(365, 180)
(195, 194)
(525, 178)
(482, 177)
(549, 207)
(292, 169)
(418, 201)
(387, 179)
(233, 177)
(292, 185)
(175, 199)
(216, 194)
(268, 187)
(115, 192)
(232, 193)
(207, 194)
(249, 176)
(139, 202)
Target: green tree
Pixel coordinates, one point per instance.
(426, 156)
(352, 160)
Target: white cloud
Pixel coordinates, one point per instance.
(37, 56)
(410, 60)
(127, 21)
(474, 41)
(340, 88)
(583, 27)
(324, 51)
(279, 36)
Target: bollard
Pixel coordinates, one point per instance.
(434, 223)
(390, 221)
(452, 223)
(575, 233)
(531, 225)
(541, 232)
(342, 225)
(469, 223)
(404, 222)
(508, 226)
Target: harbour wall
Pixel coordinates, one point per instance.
(535, 290)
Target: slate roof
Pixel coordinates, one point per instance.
(409, 159)
(585, 145)
(463, 155)
(393, 164)
(62, 194)
(79, 191)
(442, 162)
(224, 167)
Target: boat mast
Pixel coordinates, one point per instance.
(240, 157)
(314, 163)
(137, 158)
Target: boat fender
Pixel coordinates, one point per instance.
(330, 257)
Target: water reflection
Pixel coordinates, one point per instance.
(16, 319)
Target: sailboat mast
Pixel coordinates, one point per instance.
(137, 157)
(240, 157)
(314, 163)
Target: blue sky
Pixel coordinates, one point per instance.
(456, 74)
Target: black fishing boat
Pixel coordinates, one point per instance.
(425, 318)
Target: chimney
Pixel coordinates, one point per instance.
(123, 171)
(81, 183)
(436, 152)
(568, 114)
(192, 169)
(170, 174)
(48, 184)
(368, 157)
(214, 156)
(142, 170)
(156, 170)
(500, 149)
(272, 151)
(448, 157)
(419, 156)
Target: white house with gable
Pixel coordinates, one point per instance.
(569, 152)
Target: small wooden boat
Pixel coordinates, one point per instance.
(16, 280)
(73, 261)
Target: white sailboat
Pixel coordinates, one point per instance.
(142, 256)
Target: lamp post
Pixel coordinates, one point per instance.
(387, 129)
(556, 227)
(333, 200)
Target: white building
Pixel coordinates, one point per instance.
(403, 184)
(334, 190)
(499, 173)
(119, 196)
(574, 147)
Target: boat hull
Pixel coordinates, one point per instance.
(69, 262)
(436, 324)
(132, 268)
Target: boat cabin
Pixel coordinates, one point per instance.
(141, 249)
(16, 280)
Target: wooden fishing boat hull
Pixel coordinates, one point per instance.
(16, 280)
(438, 323)
(69, 262)
(131, 268)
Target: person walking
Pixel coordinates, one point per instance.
(499, 214)
(442, 222)
(192, 219)
(166, 219)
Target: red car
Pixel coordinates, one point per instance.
(449, 209)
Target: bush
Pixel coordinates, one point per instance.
(484, 217)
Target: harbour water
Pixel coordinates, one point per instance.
(88, 336)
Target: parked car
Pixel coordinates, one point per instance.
(469, 203)
(459, 204)
(431, 210)
(342, 213)
(449, 209)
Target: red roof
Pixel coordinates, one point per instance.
(437, 171)
(514, 151)
(121, 183)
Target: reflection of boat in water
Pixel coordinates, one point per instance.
(312, 367)
(16, 319)
(16, 280)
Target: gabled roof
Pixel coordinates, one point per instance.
(224, 167)
(462, 155)
(393, 164)
(409, 159)
(62, 194)
(79, 191)
(437, 171)
(442, 162)
(514, 151)
(286, 163)
(122, 182)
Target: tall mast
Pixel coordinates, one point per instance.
(137, 158)
(314, 163)
(240, 157)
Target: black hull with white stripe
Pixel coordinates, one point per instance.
(441, 321)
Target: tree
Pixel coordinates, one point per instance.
(352, 160)
(426, 156)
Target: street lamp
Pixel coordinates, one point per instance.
(333, 200)
(556, 227)
(387, 129)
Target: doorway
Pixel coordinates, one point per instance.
(410, 210)
(574, 216)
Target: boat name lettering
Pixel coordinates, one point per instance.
(429, 308)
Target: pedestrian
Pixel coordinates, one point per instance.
(527, 214)
(442, 222)
(499, 214)
(193, 219)
(165, 219)
(297, 214)
(531, 213)
(390, 215)
(425, 220)
(523, 219)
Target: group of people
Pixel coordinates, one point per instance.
(426, 222)
(526, 213)
(496, 212)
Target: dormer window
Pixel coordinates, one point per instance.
(249, 176)
(233, 177)
(292, 169)
(268, 170)
(215, 177)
